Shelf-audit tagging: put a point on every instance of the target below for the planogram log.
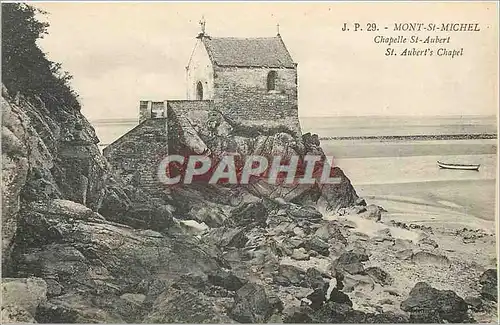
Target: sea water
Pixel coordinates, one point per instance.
(402, 175)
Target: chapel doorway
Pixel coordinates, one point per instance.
(199, 91)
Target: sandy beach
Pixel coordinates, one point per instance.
(467, 202)
(459, 255)
(412, 188)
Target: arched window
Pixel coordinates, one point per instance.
(199, 91)
(271, 80)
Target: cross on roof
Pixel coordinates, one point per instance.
(202, 24)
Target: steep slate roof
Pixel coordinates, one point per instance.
(267, 52)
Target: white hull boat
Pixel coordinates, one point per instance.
(458, 166)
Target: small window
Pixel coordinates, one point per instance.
(271, 80)
(199, 91)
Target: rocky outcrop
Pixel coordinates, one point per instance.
(46, 153)
(429, 305)
(51, 153)
(221, 136)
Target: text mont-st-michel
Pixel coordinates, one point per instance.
(413, 27)
(429, 45)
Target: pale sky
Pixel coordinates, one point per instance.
(120, 53)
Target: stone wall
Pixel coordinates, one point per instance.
(195, 110)
(241, 93)
(136, 155)
(144, 110)
(200, 69)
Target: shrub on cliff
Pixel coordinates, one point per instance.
(25, 67)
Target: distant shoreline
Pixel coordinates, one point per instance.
(486, 136)
(416, 137)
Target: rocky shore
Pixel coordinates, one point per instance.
(79, 245)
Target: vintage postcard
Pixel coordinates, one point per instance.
(250, 162)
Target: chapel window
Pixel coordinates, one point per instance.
(271, 80)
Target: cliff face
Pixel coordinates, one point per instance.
(51, 153)
(47, 153)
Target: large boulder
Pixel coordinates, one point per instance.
(315, 279)
(289, 275)
(297, 315)
(427, 304)
(335, 313)
(252, 304)
(226, 237)
(373, 212)
(135, 208)
(24, 293)
(144, 216)
(349, 262)
(225, 279)
(338, 296)
(330, 197)
(318, 245)
(358, 282)
(249, 213)
(488, 281)
(14, 314)
(303, 212)
(181, 303)
(380, 276)
(64, 208)
(331, 232)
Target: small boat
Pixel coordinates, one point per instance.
(458, 166)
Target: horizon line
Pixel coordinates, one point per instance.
(323, 116)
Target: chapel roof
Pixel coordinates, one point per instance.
(268, 52)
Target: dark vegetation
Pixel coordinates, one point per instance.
(25, 67)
